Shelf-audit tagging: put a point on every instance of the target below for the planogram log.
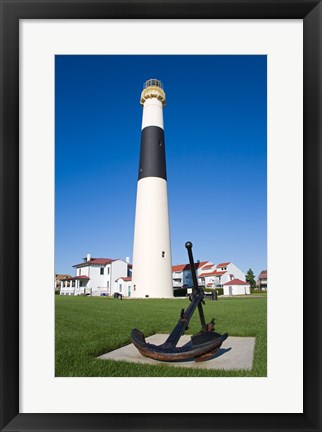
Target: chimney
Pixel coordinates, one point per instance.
(88, 257)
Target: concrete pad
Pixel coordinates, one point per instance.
(234, 353)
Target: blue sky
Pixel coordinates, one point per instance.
(215, 137)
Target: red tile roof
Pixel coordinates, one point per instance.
(182, 267)
(179, 267)
(126, 279)
(263, 274)
(223, 264)
(236, 282)
(95, 261)
(59, 277)
(209, 266)
(215, 273)
(201, 264)
(209, 284)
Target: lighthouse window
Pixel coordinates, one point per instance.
(163, 254)
(102, 270)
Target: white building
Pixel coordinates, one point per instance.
(262, 281)
(181, 274)
(219, 274)
(124, 286)
(236, 287)
(209, 275)
(95, 276)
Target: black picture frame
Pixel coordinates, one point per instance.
(11, 12)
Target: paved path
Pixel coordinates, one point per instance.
(235, 353)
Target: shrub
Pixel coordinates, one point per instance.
(257, 291)
(220, 291)
(180, 292)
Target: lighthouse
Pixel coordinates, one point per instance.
(152, 269)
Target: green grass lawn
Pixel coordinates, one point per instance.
(89, 326)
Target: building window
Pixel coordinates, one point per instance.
(80, 283)
(134, 287)
(108, 270)
(108, 284)
(163, 254)
(120, 288)
(79, 272)
(102, 270)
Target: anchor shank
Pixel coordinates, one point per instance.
(196, 288)
(201, 316)
(183, 322)
(192, 267)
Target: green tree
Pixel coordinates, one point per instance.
(250, 278)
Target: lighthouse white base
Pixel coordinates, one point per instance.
(152, 271)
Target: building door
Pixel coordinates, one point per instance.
(129, 291)
(230, 290)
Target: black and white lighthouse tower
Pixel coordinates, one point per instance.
(152, 271)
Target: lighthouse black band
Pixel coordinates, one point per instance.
(152, 154)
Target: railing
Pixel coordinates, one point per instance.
(153, 82)
(73, 290)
